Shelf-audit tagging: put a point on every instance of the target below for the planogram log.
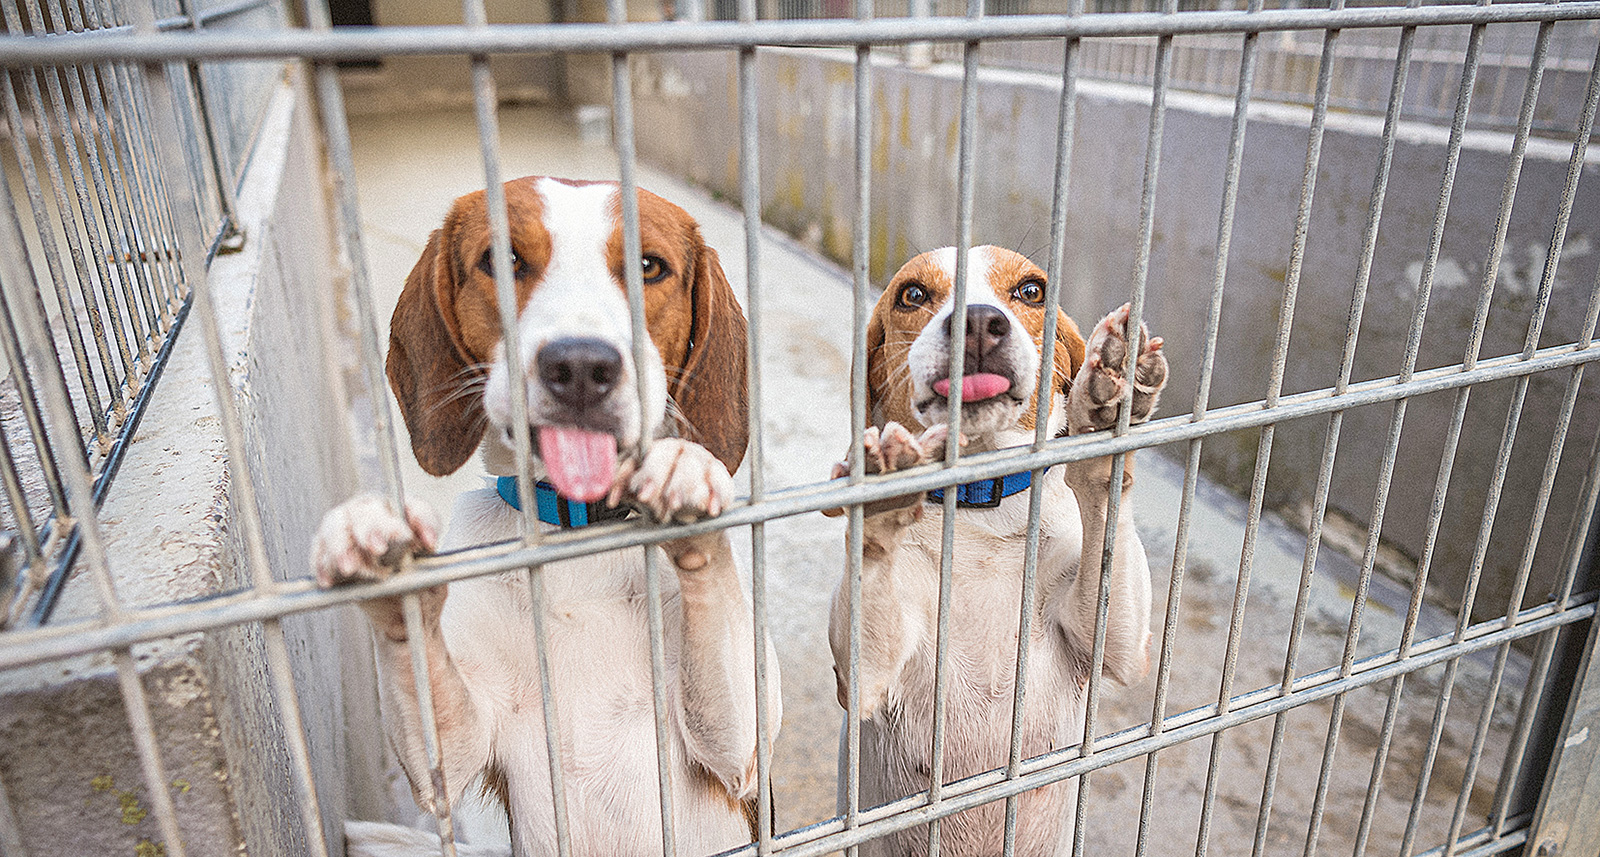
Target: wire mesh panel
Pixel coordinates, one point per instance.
(1344, 686)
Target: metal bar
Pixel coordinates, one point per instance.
(221, 164)
(45, 232)
(10, 834)
(164, 142)
(20, 293)
(301, 594)
(359, 43)
(1065, 763)
(622, 111)
(1369, 238)
(86, 212)
(1508, 437)
(1319, 116)
(1045, 394)
(860, 300)
(750, 194)
(966, 189)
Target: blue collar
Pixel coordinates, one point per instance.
(988, 493)
(556, 509)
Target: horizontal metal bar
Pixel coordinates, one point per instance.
(31, 646)
(365, 43)
(208, 16)
(1065, 763)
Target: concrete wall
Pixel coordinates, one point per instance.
(172, 527)
(687, 103)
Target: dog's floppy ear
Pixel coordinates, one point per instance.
(428, 368)
(710, 389)
(876, 336)
(1069, 351)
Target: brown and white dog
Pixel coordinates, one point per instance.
(909, 341)
(449, 372)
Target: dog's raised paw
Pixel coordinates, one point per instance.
(1101, 383)
(678, 480)
(363, 538)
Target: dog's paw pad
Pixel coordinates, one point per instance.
(363, 538)
(1101, 384)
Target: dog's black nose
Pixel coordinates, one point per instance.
(579, 370)
(987, 327)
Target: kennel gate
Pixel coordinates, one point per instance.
(154, 112)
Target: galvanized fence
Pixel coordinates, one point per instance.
(136, 100)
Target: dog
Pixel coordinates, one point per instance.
(909, 338)
(449, 372)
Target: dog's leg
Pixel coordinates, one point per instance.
(682, 481)
(362, 540)
(1092, 405)
(891, 622)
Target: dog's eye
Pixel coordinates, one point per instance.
(653, 269)
(912, 295)
(486, 264)
(1029, 291)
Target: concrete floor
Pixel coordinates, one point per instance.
(410, 167)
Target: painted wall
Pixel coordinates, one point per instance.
(806, 104)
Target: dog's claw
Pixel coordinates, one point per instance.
(894, 449)
(364, 538)
(1101, 383)
(677, 481)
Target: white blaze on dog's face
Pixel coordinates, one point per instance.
(911, 333)
(576, 360)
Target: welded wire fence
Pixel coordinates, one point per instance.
(139, 242)
(83, 163)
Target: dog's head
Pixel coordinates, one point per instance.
(913, 328)
(449, 370)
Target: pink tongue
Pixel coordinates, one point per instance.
(975, 388)
(581, 463)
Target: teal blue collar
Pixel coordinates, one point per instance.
(988, 493)
(556, 509)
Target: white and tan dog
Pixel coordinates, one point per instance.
(909, 338)
(449, 373)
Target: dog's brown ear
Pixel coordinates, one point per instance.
(428, 368)
(876, 336)
(1069, 351)
(711, 387)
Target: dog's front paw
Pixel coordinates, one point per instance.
(363, 539)
(1098, 389)
(891, 450)
(678, 480)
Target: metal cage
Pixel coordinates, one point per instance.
(152, 156)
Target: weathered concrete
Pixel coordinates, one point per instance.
(808, 190)
(172, 534)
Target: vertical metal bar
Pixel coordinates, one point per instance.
(622, 110)
(11, 843)
(130, 240)
(1508, 437)
(966, 189)
(1319, 115)
(221, 162)
(1107, 546)
(750, 193)
(1511, 770)
(185, 243)
(96, 135)
(1453, 434)
(1044, 401)
(860, 300)
(19, 293)
(1230, 190)
(27, 170)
